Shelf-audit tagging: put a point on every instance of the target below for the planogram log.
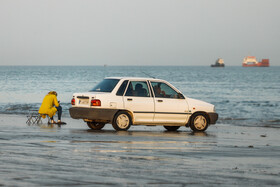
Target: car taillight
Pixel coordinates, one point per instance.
(73, 101)
(95, 102)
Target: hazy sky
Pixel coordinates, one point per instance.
(138, 32)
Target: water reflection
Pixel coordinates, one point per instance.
(46, 125)
(131, 141)
(148, 133)
(200, 134)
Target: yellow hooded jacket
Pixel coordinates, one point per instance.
(47, 107)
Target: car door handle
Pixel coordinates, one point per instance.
(160, 101)
(129, 99)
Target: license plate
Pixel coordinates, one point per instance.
(83, 101)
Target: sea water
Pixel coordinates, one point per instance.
(242, 96)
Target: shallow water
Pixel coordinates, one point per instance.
(242, 149)
(225, 155)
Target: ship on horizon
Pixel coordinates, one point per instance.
(219, 63)
(251, 61)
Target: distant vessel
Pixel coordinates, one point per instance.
(251, 61)
(219, 63)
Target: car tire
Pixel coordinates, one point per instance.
(122, 121)
(171, 128)
(199, 122)
(95, 126)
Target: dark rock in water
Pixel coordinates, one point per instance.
(250, 146)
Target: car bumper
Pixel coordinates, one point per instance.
(95, 114)
(213, 117)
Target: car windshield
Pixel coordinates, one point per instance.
(107, 85)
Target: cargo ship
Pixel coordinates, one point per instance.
(251, 61)
(219, 63)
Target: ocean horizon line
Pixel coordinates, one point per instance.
(106, 65)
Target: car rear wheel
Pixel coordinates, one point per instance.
(171, 128)
(95, 126)
(199, 122)
(122, 121)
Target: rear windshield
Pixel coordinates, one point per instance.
(107, 85)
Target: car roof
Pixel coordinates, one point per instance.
(135, 78)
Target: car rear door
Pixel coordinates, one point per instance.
(170, 105)
(138, 100)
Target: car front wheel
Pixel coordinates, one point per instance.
(199, 122)
(122, 121)
(95, 126)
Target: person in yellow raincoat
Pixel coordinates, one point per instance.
(50, 105)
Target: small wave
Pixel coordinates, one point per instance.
(233, 119)
(18, 108)
(274, 121)
(258, 103)
(25, 109)
(250, 122)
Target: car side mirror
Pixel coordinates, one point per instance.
(180, 96)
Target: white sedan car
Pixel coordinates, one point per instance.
(126, 101)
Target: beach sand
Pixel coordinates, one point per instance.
(225, 155)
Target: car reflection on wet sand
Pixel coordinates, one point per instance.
(143, 156)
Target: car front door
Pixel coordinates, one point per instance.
(138, 100)
(170, 105)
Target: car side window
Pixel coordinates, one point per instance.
(121, 90)
(137, 89)
(162, 90)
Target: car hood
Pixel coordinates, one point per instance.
(198, 105)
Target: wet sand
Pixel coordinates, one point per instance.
(144, 156)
